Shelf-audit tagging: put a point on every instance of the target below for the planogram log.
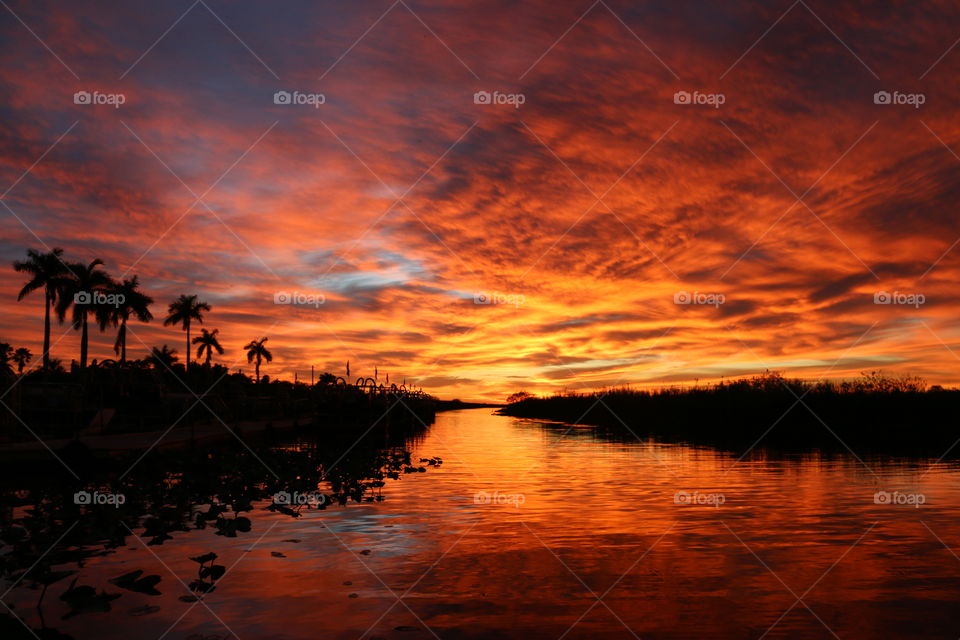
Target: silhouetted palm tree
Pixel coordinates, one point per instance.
(183, 311)
(162, 357)
(134, 303)
(208, 342)
(22, 356)
(47, 271)
(6, 355)
(79, 290)
(256, 350)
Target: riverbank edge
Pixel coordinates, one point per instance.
(919, 424)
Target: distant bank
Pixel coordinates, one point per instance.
(874, 413)
(452, 405)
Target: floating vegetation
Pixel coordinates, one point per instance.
(168, 495)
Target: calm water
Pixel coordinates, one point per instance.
(581, 538)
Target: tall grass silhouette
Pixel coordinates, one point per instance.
(875, 411)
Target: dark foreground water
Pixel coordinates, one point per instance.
(533, 531)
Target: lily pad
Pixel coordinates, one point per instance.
(133, 582)
(214, 571)
(207, 557)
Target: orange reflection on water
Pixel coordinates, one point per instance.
(533, 531)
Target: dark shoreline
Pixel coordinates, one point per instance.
(739, 417)
(455, 405)
(115, 410)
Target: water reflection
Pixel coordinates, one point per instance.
(601, 545)
(55, 526)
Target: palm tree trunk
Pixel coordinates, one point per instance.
(46, 329)
(83, 341)
(123, 341)
(188, 345)
(258, 368)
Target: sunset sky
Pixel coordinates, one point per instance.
(579, 214)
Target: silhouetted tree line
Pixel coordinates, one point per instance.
(82, 293)
(875, 412)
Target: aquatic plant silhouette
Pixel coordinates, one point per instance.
(170, 494)
(207, 573)
(137, 582)
(44, 577)
(85, 599)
